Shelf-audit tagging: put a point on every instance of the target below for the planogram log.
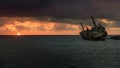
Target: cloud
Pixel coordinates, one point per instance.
(49, 25)
(61, 8)
(31, 24)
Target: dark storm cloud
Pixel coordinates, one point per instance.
(28, 7)
(61, 8)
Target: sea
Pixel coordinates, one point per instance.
(57, 51)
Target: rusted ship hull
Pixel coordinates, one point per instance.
(91, 36)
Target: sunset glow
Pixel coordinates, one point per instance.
(31, 26)
(18, 33)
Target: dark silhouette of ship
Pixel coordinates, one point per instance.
(115, 37)
(97, 32)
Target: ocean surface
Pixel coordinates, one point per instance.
(57, 52)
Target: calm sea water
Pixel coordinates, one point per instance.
(58, 52)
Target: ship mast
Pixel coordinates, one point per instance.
(93, 21)
(82, 26)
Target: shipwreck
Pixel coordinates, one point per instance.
(97, 32)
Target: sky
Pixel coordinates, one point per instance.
(57, 17)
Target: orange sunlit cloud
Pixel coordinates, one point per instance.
(113, 31)
(106, 21)
(31, 26)
(36, 27)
